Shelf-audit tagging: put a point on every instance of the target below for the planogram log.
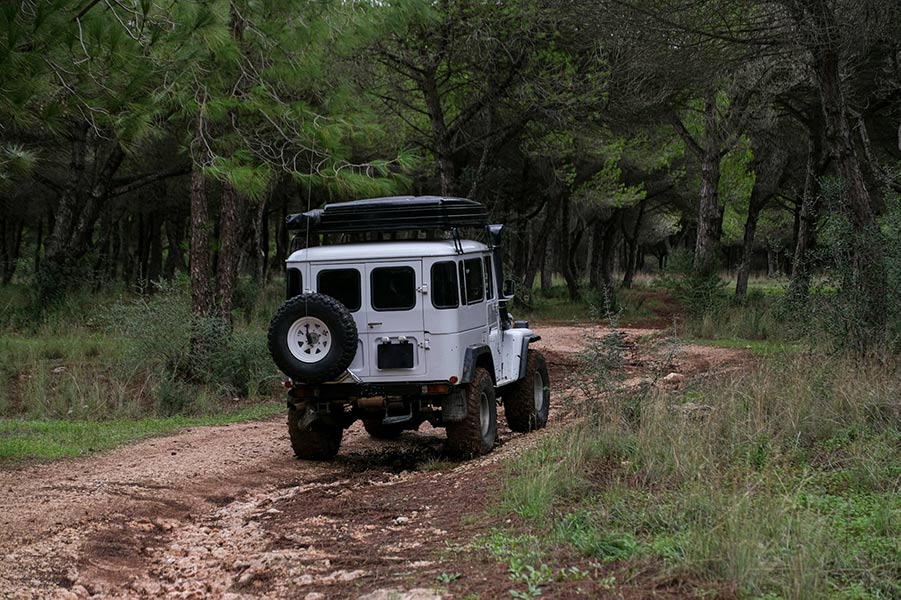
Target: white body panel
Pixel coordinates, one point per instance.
(439, 335)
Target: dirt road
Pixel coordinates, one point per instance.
(228, 512)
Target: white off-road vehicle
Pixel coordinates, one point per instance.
(395, 319)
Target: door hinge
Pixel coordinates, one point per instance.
(424, 344)
(423, 289)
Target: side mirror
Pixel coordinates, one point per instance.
(509, 288)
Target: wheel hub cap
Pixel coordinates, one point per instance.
(309, 339)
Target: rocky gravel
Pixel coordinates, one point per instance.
(228, 512)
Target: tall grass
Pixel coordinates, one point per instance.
(781, 481)
(130, 356)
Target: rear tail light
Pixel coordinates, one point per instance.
(303, 392)
(436, 388)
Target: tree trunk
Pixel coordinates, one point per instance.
(572, 284)
(868, 275)
(633, 246)
(799, 287)
(441, 141)
(755, 205)
(710, 216)
(155, 261)
(538, 256)
(175, 256)
(230, 226)
(597, 245)
(201, 260)
(10, 247)
(64, 215)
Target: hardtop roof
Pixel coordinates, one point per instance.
(372, 251)
(393, 213)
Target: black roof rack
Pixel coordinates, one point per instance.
(397, 213)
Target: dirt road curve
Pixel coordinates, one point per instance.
(228, 512)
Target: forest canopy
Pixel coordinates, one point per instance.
(143, 139)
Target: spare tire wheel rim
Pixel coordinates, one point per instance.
(309, 340)
(485, 414)
(538, 383)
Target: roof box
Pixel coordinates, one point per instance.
(397, 213)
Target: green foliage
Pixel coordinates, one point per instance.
(165, 338)
(856, 305)
(698, 293)
(779, 481)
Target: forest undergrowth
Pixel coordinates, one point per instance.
(781, 480)
(97, 370)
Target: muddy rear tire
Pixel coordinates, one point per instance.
(378, 430)
(317, 441)
(477, 432)
(527, 402)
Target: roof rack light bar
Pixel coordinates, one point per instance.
(398, 213)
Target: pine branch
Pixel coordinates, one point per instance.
(131, 184)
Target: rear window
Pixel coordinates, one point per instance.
(444, 285)
(393, 288)
(342, 285)
(295, 282)
(471, 282)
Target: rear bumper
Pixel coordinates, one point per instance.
(348, 392)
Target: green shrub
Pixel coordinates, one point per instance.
(166, 339)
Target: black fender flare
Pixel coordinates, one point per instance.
(524, 354)
(471, 357)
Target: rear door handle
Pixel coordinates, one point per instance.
(371, 325)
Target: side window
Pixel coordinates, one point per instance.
(471, 280)
(444, 285)
(393, 288)
(489, 277)
(342, 285)
(294, 282)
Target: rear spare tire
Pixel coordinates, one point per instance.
(527, 402)
(313, 338)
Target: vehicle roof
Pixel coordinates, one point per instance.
(382, 250)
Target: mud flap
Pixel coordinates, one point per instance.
(309, 417)
(453, 407)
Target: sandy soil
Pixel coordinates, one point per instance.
(227, 511)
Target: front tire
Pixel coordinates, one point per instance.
(527, 403)
(317, 441)
(477, 432)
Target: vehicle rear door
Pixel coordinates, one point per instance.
(345, 283)
(394, 319)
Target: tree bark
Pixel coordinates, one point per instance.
(710, 213)
(572, 283)
(155, 260)
(868, 274)
(175, 256)
(230, 226)
(755, 205)
(538, 256)
(633, 246)
(200, 257)
(64, 215)
(441, 139)
(799, 286)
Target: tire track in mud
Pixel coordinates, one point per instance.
(227, 511)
